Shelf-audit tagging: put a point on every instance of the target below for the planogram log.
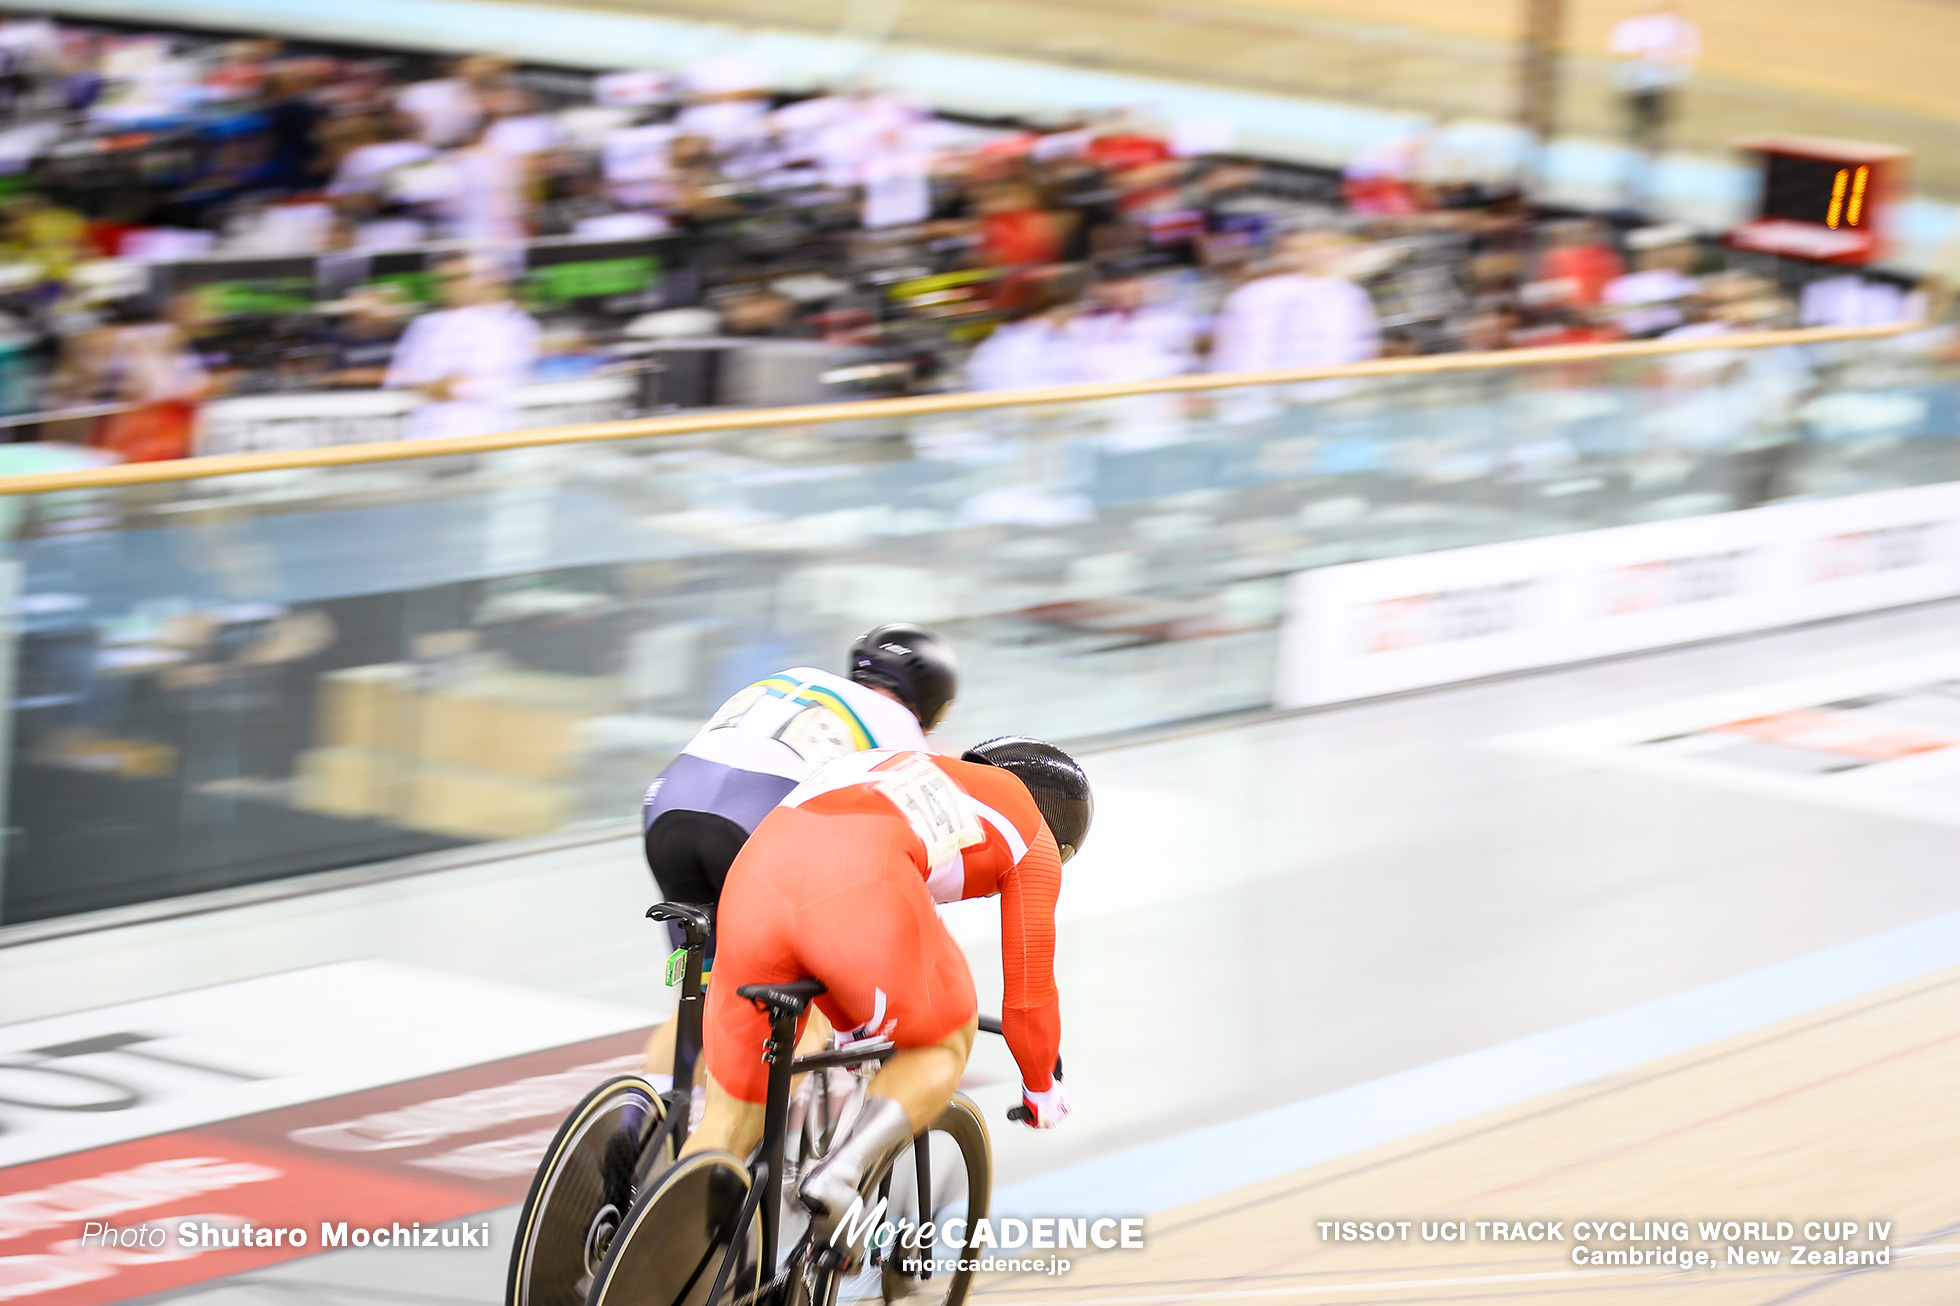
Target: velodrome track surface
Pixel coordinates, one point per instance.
(1841, 1114)
(1883, 52)
(1458, 954)
(1877, 71)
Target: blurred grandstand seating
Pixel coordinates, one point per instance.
(199, 224)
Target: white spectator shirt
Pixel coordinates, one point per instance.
(390, 233)
(1031, 354)
(1852, 301)
(444, 110)
(636, 163)
(1707, 330)
(1657, 50)
(897, 182)
(1291, 320)
(488, 201)
(1649, 301)
(522, 135)
(731, 125)
(35, 36)
(1149, 344)
(636, 225)
(800, 124)
(485, 350)
(856, 134)
(366, 167)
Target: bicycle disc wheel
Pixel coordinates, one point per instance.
(959, 1167)
(581, 1193)
(671, 1248)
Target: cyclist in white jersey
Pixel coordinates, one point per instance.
(766, 740)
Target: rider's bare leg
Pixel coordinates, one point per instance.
(660, 1048)
(923, 1080)
(727, 1123)
(904, 1098)
(732, 1125)
(816, 1034)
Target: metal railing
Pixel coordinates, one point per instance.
(898, 409)
(231, 670)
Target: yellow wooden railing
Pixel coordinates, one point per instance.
(189, 469)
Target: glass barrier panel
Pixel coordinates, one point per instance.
(238, 678)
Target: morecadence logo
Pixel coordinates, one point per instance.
(975, 1244)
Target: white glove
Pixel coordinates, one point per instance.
(1046, 1109)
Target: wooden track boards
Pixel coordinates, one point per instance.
(1846, 1113)
(1874, 71)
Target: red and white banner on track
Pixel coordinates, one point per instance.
(1380, 627)
(366, 1093)
(1880, 737)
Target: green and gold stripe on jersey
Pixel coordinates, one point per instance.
(797, 691)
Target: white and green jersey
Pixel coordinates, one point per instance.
(769, 737)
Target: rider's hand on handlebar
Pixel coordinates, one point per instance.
(1046, 1109)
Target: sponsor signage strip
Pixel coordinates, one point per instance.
(68, 1083)
(380, 1168)
(1370, 628)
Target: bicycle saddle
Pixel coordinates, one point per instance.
(788, 999)
(695, 921)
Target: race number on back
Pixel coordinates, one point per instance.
(817, 735)
(936, 809)
(932, 803)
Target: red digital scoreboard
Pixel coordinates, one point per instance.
(1822, 200)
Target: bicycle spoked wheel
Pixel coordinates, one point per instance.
(959, 1168)
(671, 1249)
(582, 1192)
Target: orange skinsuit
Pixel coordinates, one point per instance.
(839, 884)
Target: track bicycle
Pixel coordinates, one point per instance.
(711, 1230)
(625, 1133)
(610, 1220)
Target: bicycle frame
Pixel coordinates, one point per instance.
(767, 1172)
(695, 925)
(768, 1191)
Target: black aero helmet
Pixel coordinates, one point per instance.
(1056, 780)
(911, 662)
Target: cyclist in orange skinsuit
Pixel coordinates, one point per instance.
(839, 884)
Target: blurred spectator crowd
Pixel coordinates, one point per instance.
(186, 219)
